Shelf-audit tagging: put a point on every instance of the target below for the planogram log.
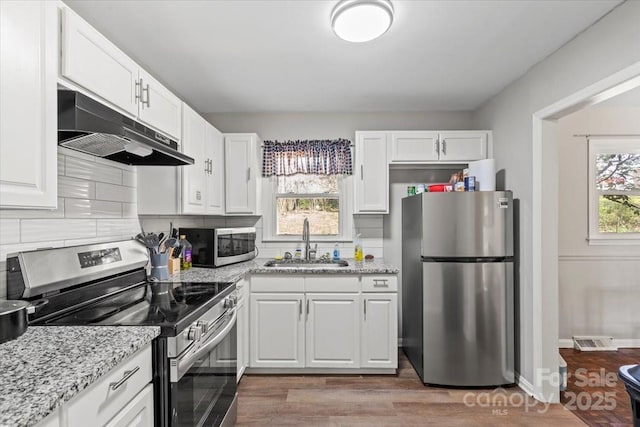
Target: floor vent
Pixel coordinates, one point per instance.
(594, 343)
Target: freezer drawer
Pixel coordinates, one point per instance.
(472, 224)
(468, 323)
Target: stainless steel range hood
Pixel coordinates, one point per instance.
(91, 127)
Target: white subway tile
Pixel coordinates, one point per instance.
(118, 227)
(3, 286)
(129, 210)
(113, 164)
(9, 231)
(61, 160)
(86, 208)
(76, 188)
(115, 193)
(91, 240)
(37, 230)
(35, 213)
(372, 243)
(129, 178)
(370, 232)
(8, 249)
(92, 171)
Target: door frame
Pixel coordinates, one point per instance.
(545, 223)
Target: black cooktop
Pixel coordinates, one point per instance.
(171, 305)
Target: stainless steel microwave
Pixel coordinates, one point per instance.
(216, 247)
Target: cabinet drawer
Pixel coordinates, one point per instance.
(277, 283)
(386, 283)
(332, 283)
(100, 402)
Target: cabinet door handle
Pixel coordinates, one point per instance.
(146, 89)
(365, 309)
(299, 309)
(307, 308)
(380, 282)
(138, 90)
(437, 146)
(361, 172)
(444, 147)
(210, 166)
(127, 375)
(248, 174)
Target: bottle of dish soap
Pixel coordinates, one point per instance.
(357, 255)
(336, 253)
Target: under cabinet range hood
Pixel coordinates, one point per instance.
(86, 125)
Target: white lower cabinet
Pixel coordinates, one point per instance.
(324, 322)
(116, 399)
(242, 328)
(333, 328)
(277, 331)
(138, 413)
(379, 331)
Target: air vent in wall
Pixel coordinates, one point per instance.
(594, 343)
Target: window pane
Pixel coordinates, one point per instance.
(308, 184)
(323, 214)
(619, 214)
(618, 172)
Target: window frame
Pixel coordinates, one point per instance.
(269, 217)
(607, 145)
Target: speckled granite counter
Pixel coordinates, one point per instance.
(235, 272)
(49, 365)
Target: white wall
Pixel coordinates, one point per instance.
(608, 46)
(96, 203)
(599, 284)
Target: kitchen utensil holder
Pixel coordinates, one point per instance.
(159, 266)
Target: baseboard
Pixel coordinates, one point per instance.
(526, 386)
(620, 343)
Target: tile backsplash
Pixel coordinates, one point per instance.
(96, 203)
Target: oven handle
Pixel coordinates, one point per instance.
(184, 364)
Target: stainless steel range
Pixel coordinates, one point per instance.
(194, 358)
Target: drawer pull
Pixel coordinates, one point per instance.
(380, 282)
(127, 375)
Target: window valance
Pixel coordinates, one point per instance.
(319, 157)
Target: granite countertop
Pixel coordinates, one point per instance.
(48, 365)
(235, 272)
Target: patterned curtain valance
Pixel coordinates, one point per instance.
(328, 157)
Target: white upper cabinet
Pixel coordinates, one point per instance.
(242, 164)
(411, 147)
(214, 154)
(92, 62)
(438, 146)
(463, 145)
(194, 177)
(371, 173)
(159, 107)
(96, 64)
(28, 105)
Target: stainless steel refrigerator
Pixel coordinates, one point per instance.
(457, 287)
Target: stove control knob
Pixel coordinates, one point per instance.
(194, 333)
(234, 298)
(204, 326)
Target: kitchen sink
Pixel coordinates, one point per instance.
(314, 263)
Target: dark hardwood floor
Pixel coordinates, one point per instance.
(386, 400)
(596, 394)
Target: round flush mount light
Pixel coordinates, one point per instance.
(361, 20)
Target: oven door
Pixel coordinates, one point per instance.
(203, 379)
(234, 245)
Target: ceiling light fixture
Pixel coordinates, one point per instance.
(361, 20)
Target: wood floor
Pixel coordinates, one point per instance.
(386, 400)
(596, 394)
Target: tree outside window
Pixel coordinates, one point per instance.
(615, 189)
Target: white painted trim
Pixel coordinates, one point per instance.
(545, 347)
(322, 371)
(602, 258)
(527, 387)
(620, 343)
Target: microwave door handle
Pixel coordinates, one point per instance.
(190, 359)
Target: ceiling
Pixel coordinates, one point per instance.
(276, 55)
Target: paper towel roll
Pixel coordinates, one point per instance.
(485, 173)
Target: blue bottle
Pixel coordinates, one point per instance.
(336, 253)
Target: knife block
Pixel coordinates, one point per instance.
(174, 266)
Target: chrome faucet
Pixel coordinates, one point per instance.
(305, 239)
